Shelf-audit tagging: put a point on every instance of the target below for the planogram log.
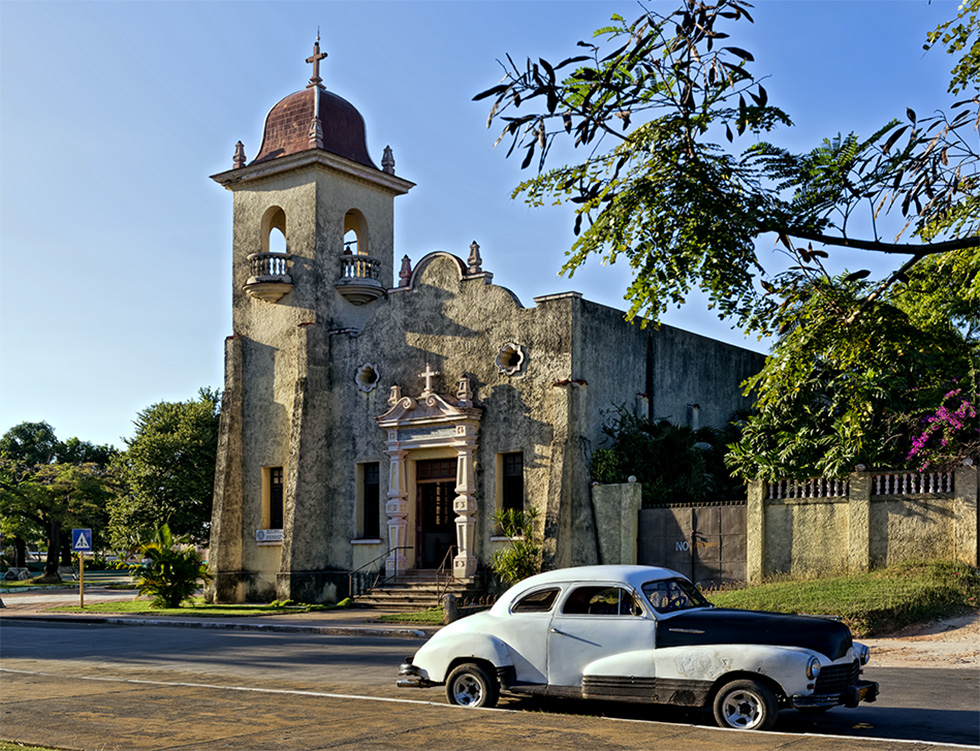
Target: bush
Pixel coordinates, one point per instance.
(170, 570)
(522, 558)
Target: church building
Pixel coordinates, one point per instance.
(376, 414)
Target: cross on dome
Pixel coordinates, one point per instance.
(315, 58)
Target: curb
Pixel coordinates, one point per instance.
(402, 633)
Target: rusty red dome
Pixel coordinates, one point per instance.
(287, 127)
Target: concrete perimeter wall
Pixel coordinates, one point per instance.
(872, 519)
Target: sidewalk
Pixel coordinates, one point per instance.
(356, 621)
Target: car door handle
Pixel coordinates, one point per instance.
(556, 631)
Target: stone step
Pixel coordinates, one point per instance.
(415, 592)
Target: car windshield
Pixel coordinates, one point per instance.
(668, 595)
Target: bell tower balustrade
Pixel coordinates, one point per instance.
(359, 279)
(268, 279)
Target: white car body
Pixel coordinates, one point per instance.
(634, 651)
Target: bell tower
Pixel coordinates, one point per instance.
(312, 255)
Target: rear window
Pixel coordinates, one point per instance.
(539, 601)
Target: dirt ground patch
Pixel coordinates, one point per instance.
(951, 643)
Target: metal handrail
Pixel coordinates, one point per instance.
(350, 574)
(439, 571)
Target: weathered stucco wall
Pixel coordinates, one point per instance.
(905, 529)
(805, 538)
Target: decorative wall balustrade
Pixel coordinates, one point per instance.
(911, 483)
(814, 487)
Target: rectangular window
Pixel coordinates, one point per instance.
(275, 497)
(370, 501)
(512, 481)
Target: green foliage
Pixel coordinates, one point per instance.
(955, 37)
(48, 486)
(831, 396)
(673, 464)
(871, 604)
(169, 470)
(170, 571)
(523, 557)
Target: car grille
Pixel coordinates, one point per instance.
(833, 679)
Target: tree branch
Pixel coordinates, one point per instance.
(923, 249)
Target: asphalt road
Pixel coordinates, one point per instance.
(47, 662)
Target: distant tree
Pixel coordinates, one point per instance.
(652, 103)
(168, 468)
(48, 486)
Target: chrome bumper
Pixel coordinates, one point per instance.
(850, 697)
(411, 677)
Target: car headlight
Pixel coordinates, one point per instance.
(863, 653)
(813, 668)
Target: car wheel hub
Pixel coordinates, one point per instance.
(468, 690)
(742, 710)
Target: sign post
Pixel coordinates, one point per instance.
(81, 543)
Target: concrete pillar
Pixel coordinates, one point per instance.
(464, 564)
(859, 523)
(617, 509)
(755, 528)
(396, 508)
(965, 483)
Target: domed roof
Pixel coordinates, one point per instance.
(287, 126)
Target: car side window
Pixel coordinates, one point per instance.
(540, 601)
(603, 600)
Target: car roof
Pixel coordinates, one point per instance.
(633, 576)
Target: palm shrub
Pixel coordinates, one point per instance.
(522, 558)
(170, 570)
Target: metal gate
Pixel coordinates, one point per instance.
(705, 541)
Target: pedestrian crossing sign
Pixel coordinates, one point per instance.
(81, 540)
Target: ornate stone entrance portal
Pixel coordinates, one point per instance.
(431, 421)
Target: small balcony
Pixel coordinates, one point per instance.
(268, 279)
(359, 279)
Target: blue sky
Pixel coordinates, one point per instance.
(115, 245)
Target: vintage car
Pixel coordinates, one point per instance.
(642, 634)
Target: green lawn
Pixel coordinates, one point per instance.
(431, 617)
(872, 604)
(197, 608)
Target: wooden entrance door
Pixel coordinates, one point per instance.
(435, 483)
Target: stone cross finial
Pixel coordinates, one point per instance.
(238, 161)
(315, 58)
(428, 375)
(315, 135)
(388, 161)
(474, 261)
